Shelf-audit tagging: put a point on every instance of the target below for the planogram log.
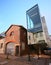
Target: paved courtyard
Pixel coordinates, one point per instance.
(24, 60)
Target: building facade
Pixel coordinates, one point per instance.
(41, 35)
(45, 31)
(15, 41)
(34, 38)
(33, 19)
(36, 26)
(2, 45)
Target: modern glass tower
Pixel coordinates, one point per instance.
(33, 19)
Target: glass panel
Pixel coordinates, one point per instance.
(29, 22)
(34, 19)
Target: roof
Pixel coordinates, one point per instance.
(14, 25)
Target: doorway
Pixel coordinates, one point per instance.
(17, 50)
(10, 48)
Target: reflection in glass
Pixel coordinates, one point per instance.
(30, 23)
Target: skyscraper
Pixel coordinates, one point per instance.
(36, 26)
(33, 19)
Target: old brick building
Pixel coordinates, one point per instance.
(2, 42)
(16, 40)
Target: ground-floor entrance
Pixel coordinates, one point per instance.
(17, 51)
(10, 48)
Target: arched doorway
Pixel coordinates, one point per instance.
(10, 48)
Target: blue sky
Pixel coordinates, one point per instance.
(14, 12)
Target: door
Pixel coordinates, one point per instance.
(10, 48)
(17, 50)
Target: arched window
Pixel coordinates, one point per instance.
(11, 33)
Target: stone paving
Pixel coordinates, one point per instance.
(13, 60)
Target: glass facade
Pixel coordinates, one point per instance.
(33, 19)
(30, 22)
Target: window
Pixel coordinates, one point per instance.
(41, 34)
(29, 37)
(29, 22)
(35, 40)
(11, 33)
(36, 35)
(1, 45)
